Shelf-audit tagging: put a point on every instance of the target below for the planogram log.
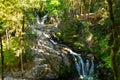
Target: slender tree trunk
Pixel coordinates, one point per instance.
(2, 55)
(114, 38)
(7, 39)
(2, 58)
(22, 30)
(22, 41)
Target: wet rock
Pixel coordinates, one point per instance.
(49, 55)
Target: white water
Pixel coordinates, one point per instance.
(43, 19)
(55, 43)
(92, 67)
(84, 69)
(87, 66)
(38, 19)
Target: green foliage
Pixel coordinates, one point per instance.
(30, 16)
(117, 15)
(10, 57)
(30, 36)
(58, 34)
(66, 72)
(90, 35)
(1, 27)
(70, 32)
(76, 33)
(86, 24)
(54, 7)
(102, 48)
(28, 55)
(78, 44)
(19, 40)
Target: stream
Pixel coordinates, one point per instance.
(49, 55)
(84, 68)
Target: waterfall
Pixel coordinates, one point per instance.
(38, 18)
(77, 65)
(87, 66)
(92, 67)
(82, 63)
(52, 41)
(44, 18)
(84, 69)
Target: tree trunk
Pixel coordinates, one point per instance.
(2, 58)
(114, 39)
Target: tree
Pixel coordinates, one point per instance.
(13, 29)
(2, 58)
(114, 40)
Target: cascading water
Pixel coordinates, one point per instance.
(38, 19)
(84, 69)
(43, 19)
(87, 66)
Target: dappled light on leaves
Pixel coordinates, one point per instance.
(86, 27)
